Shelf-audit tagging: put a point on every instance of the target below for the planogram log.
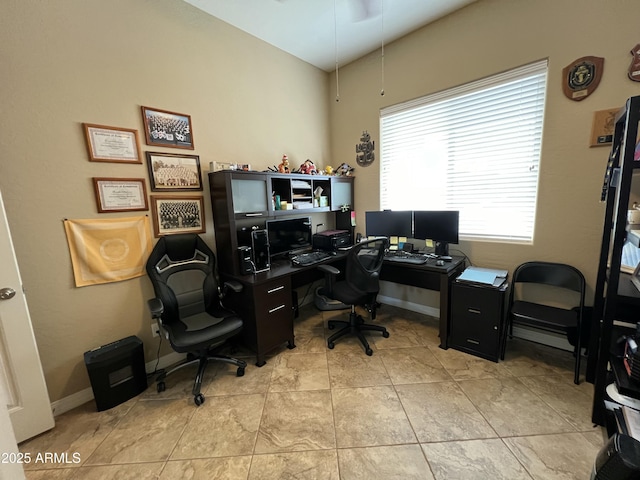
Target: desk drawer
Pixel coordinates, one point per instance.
(273, 297)
(274, 313)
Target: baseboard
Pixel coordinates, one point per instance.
(414, 307)
(557, 341)
(83, 396)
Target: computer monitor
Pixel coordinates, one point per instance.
(440, 226)
(388, 223)
(289, 235)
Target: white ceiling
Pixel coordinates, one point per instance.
(318, 31)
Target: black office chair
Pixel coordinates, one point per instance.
(188, 305)
(565, 278)
(359, 287)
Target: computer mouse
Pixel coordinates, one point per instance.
(440, 263)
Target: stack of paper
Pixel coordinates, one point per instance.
(484, 276)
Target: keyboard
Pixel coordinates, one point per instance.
(311, 258)
(405, 257)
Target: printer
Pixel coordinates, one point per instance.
(331, 240)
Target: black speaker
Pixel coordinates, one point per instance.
(116, 371)
(618, 459)
(260, 247)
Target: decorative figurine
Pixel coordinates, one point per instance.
(364, 150)
(308, 167)
(284, 165)
(329, 170)
(344, 169)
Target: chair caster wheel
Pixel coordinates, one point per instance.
(198, 399)
(368, 351)
(240, 372)
(385, 334)
(161, 387)
(331, 345)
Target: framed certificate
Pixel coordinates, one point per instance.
(112, 144)
(120, 194)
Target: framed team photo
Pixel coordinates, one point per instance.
(174, 172)
(173, 214)
(167, 129)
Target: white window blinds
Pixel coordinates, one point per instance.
(473, 148)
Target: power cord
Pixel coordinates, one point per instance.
(307, 292)
(155, 369)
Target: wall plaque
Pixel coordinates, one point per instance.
(582, 77)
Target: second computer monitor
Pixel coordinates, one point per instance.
(388, 223)
(440, 226)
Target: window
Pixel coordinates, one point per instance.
(473, 148)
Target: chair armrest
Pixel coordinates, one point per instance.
(156, 307)
(233, 285)
(329, 269)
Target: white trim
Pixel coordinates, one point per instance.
(83, 396)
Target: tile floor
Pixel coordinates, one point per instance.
(410, 411)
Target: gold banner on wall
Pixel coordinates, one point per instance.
(108, 250)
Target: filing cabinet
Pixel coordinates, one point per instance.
(478, 319)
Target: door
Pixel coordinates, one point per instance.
(28, 400)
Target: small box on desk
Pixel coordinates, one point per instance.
(331, 240)
(116, 371)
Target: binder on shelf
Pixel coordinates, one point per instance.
(631, 418)
(487, 277)
(620, 421)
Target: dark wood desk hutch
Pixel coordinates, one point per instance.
(617, 301)
(242, 200)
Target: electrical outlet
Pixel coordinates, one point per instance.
(154, 330)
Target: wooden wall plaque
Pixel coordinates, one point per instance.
(634, 68)
(582, 77)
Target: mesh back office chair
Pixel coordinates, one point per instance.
(188, 305)
(545, 317)
(359, 287)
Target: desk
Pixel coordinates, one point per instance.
(266, 301)
(431, 277)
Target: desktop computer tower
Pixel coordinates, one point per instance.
(260, 249)
(116, 371)
(345, 221)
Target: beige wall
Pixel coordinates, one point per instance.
(488, 37)
(70, 61)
